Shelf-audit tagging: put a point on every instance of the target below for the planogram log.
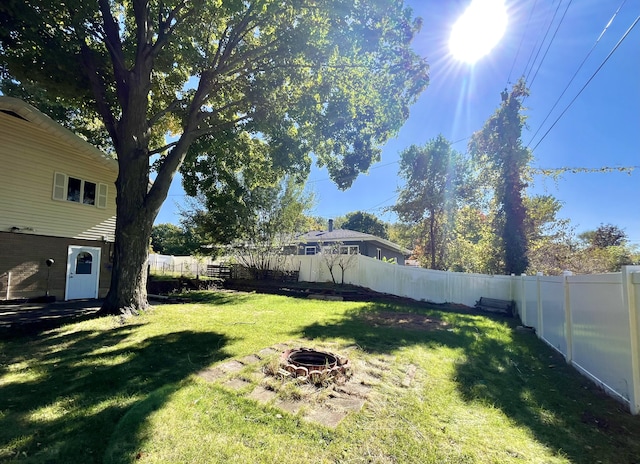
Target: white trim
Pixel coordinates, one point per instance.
(347, 249)
(61, 190)
(309, 248)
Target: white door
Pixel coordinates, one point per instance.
(83, 272)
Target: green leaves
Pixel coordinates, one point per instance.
(248, 89)
(437, 182)
(366, 223)
(498, 152)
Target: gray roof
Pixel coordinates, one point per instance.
(346, 235)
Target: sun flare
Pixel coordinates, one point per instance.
(478, 30)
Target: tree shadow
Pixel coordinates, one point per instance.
(217, 298)
(384, 338)
(517, 373)
(69, 401)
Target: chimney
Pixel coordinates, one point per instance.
(330, 225)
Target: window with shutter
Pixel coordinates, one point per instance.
(101, 200)
(59, 189)
(66, 188)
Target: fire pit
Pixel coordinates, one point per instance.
(314, 365)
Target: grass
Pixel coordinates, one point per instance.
(101, 391)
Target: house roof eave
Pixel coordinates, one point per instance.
(35, 116)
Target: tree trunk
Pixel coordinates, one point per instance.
(432, 239)
(134, 222)
(128, 290)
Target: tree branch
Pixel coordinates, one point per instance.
(161, 149)
(223, 125)
(99, 92)
(171, 107)
(114, 46)
(166, 28)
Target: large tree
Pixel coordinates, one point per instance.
(366, 223)
(330, 77)
(265, 215)
(170, 239)
(498, 150)
(606, 235)
(437, 182)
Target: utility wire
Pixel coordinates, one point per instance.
(541, 43)
(530, 83)
(578, 70)
(587, 83)
(524, 33)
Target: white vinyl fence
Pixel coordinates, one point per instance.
(178, 265)
(592, 320)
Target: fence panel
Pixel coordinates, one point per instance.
(601, 343)
(530, 315)
(376, 275)
(551, 320)
(468, 288)
(419, 284)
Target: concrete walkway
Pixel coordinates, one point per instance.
(23, 317)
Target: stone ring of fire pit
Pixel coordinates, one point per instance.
(306, 362)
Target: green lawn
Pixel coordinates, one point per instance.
(103, 391)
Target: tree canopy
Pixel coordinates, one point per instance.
(437, 181)
(497, 148)
(605, 235)
(267, 80)
(366, 223)
(169, 239)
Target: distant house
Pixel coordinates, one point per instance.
(352, 242)
(57, 209)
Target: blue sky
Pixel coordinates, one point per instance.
(600, 128)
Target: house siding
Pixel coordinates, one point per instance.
(366, 248)
(23, 268)
(30, 156)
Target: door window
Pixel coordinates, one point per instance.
(83, 263)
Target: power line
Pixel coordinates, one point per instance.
(578, 70)
(587, 83)
(530, 83)
(376, 207)
(524, 33)
(541, 43)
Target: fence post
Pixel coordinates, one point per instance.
(630, 287)
(568, 321)
(523, 299)
(540, 328)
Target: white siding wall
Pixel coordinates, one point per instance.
(29, 156)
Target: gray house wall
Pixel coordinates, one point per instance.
(366, 248)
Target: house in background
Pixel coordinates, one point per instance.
(57, 209)
(351, 242)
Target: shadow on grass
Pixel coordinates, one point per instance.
(512, 371)
(216, 298)
(66, 405)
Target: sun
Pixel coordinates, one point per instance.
(478, 30)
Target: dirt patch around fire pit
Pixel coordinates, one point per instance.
(260, 377)
(404, 320)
